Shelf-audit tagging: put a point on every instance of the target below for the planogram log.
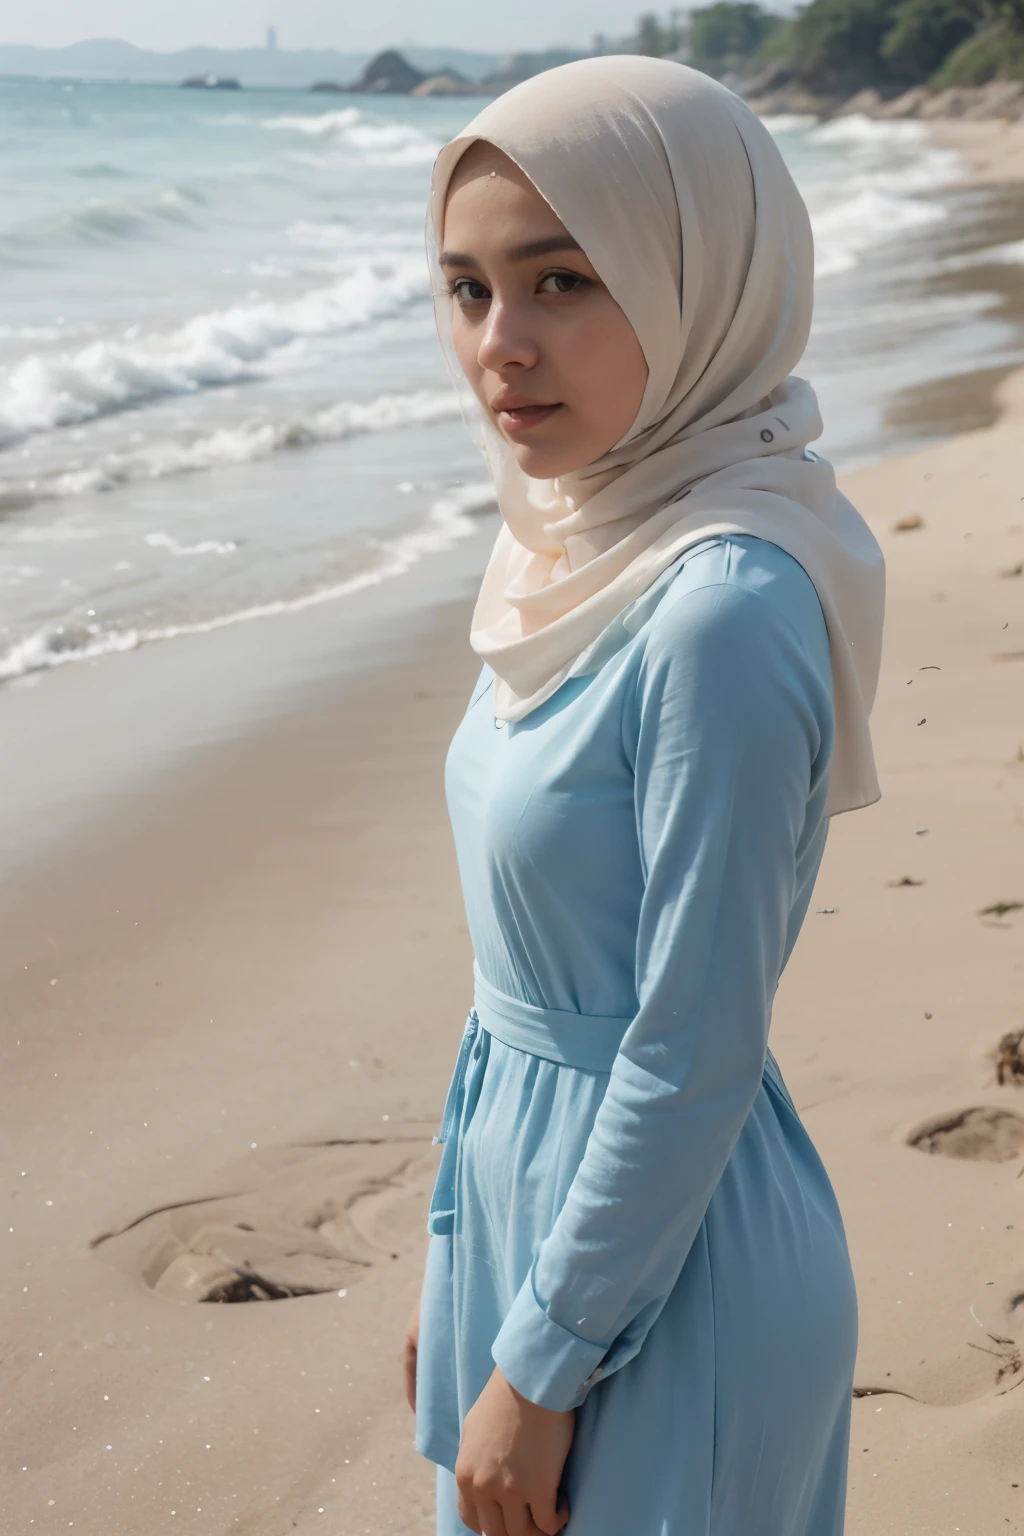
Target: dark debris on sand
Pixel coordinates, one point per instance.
(1009, 1056)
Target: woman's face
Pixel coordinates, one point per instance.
(549, 354)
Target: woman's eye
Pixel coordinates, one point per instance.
(562, 282)
(468, 291)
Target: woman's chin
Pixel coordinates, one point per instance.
(545, 461)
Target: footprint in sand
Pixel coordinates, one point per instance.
(304, 1220)
(980, 1134)
(986, 1361)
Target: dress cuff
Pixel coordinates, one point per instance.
(546, 1363)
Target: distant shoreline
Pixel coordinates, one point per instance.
(967, 114)
(112, 61)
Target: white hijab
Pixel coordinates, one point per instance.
(682, 201)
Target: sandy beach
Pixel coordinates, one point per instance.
(236, 970)
(992, 151)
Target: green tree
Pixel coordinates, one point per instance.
(925, 32)
(842, 44)
(650, 36)
(837, 43)
(1009, 12)
(994, 51)
(725, 36)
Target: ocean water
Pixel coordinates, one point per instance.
(221, 395)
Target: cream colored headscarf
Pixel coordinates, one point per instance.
(682, 201)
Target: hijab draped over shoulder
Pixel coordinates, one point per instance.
(682, 202)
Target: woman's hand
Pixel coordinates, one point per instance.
(412, 1345)
(510, 1464)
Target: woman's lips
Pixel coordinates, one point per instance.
(521, 418)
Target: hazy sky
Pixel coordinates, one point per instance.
(344, 24)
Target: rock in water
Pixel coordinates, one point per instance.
(211, 83)
(449, 83)
(389, 73)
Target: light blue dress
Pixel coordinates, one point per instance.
(629, 1217)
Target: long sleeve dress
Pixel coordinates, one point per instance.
(629, 1218)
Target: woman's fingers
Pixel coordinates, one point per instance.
(409, 1372)
(548, 1515)
(511, 1459)
(513, 1516)
(410, 1355)
(492, 1519)
(522, 1521)
(468, 1511)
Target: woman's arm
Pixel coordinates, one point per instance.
(727, 728)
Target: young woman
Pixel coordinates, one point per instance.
(638, 1314)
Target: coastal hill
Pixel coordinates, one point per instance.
(391, 73)
(113, 59)
(892, 58)
(967, 55)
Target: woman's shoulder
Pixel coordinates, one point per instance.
(737, 591)
(738, 626)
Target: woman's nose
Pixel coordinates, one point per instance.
(507, 339)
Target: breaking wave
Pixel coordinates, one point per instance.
(47, 390)
(843, 233)
(349, 129)
(889, 165)
(246, 443)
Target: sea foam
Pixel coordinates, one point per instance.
(246, 443)
(349, 129)
(46, 390)
(843, 233)
(890, 164)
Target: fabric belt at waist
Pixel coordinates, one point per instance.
(589, 1041)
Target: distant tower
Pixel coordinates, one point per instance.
(272, 38)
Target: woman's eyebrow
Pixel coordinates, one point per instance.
(564, 242)
(517, 252)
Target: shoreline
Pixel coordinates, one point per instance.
(983, 124)
(992, 151)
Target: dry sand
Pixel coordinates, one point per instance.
(993, 152)
(893, 1004)
(233, 996)
(237, 997)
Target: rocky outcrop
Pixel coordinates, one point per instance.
(793, 98)
(1000, 100)
(774, 90)
(448, 83)
(389, 74)
(211, 83)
